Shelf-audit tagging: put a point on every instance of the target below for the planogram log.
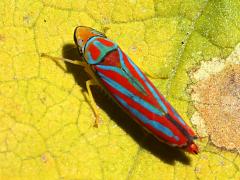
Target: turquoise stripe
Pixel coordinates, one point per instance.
(102, 48)
(130, 78)
(112, 68)
(145, 120)
(177, 115)
(122, 61)
(87, 43)
(134, 81)
(149, 86)
(129, 94)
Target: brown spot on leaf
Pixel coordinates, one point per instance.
(217, 100)
(2, 37)
(44, 158)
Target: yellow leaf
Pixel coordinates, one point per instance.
(46, 124)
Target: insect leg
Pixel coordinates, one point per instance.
(77, 62)
(89, 83)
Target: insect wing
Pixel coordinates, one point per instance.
(139, 97)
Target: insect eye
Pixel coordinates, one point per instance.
(80, 42)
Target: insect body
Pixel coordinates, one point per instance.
(116, 73)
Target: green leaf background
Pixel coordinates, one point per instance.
(46, 124)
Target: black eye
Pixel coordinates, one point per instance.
(80, 42)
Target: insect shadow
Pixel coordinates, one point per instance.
(145, 140)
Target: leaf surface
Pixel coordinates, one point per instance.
(46, 129)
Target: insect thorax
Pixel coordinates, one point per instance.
(97, 48)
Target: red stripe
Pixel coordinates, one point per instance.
(149, 98)
(125, 83)
(161, 119)
(94, 51)
(105, 42)
(171, 113)
(134, 72)
(111, 59)
(136, 75)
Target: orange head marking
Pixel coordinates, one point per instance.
(82, 34)
(192, 148)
